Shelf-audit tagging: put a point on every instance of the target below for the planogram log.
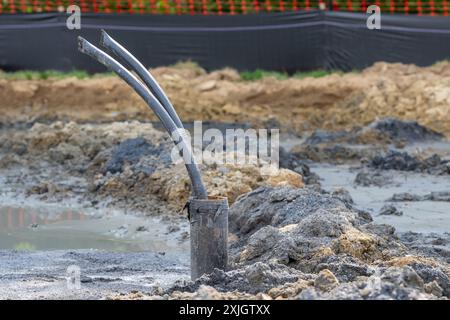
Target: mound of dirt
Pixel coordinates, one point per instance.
(432, 244)
(309, 231)
(332, 102)
(394, 160)
(404, 130)
(393, 283)
(373, 141)
(130, 151)
(61, 142)
(333, 153)
(253, 279)
(126, 164)
(286, 241)
(197, 95)
(432, 196)
(389, 210)
(297, 243)
(321, 136)
(406, 92)
(390, 284)
(366, 178)
(292, 161)
(171, 184)
(379, 132)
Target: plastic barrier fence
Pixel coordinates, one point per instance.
(223, 7)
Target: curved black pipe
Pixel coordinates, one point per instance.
(108, 42)
(85, 47)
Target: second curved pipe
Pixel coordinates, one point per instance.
(108, 42)
(86, 47)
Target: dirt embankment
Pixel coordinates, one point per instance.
(124, 163)
(298, 243)
(331, 102)
(287, 240)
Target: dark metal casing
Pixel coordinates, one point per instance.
(209, 235)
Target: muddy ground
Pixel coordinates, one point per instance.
(358, 210)
(337, 101)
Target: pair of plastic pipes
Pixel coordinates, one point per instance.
(208, 215)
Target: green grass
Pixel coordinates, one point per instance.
(245, 75)
(315, 74)
(259, 74)
(24, 246)
(162, 6)
(48, 74)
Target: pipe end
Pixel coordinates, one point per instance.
(104, 36)
(81, 44)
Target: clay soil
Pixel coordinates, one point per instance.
(333, 102)
(292, 236)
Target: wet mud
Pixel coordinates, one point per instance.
(359, 208)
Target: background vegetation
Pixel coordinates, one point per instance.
(214, 6)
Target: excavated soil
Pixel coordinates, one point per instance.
(292, 236)
(337, 101)
(297, 243)
(125, 164)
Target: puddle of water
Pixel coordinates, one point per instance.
(50, 228)
(423, 216)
